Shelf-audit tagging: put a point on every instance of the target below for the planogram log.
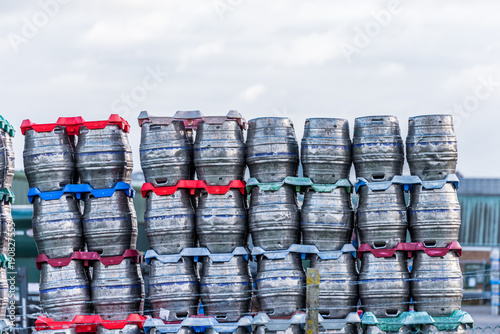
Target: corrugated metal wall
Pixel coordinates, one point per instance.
(20, 188)
(480, 220)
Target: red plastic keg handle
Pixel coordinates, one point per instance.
(193, 186)
(86, 257)
(88, 323)
(410, 247)
(73, 124)
(192, 118)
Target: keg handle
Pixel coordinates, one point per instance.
(391, 312)
(378, 176)
(379, 244)
(429, 243)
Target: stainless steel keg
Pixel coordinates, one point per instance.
(170, 222)
(219, 152)
(327, 219)
(431, 146)
(437, 284)
(226, 288)
(281, 285)
(174, 288)
(378, 152)
(103, 156)
(434, 215)
(221, 221)
(57, 226)
(110, 224)
(338, 295)
(384, 286)
(49, 159)
(274, 218)
(117, 290)
(382, 218)
(326, 150)
(64, 291)
(272, 150)
(166, 153)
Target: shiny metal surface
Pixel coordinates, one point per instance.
(166, 153)
(49, 159)
(117, 290)
(338, 294)
(461, 329)
(431, 146)
(221, 221)
(170, 222)
(219, 152)
(384, 288)
(7, 160)
(382, 219)
(272, 150)
(110, 224)
(327, 219)
(378, 152)
(436, 286)
(226, 288)
(64, 291)
(174, 287)
(347, 329)
(292, 329)
(373, 329)
(273, 218)
(434, 215)
(182, 330)
(57, 226)
(6, 226)
(326, 150)
(57, 331)
(281, 285)
(128, 329)
(103, 156)
(239, 330)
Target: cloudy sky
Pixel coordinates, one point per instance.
(264, 58)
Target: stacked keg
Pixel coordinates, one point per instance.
(103, 158)
(274, 218)
(166, 152)
(221, 220)
(49, 165)
(327, 218)
(98, 156)
(378, 156)
(434, 214)
(216, 222)
(6, 223)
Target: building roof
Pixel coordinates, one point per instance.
(479, 186)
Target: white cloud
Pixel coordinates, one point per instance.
(112, 32)
(313, 49)
(426, 59)
(252, 93)
(392, 68)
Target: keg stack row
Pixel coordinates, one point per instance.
(325, 221)
(433, 216)
(216, 218)
(6, 199)
(213, 218)
(87, 260)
